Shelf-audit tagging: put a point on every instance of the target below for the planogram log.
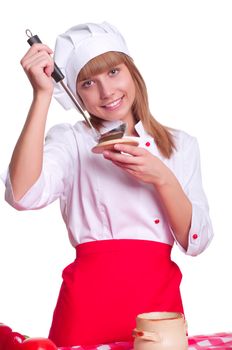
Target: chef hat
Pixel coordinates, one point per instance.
(77, 46)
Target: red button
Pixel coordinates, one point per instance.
(195, 236)
(147, 144)
(156, 221)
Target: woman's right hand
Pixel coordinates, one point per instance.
(38, 66)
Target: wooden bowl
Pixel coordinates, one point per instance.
(109, 145)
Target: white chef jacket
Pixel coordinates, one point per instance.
(100, 201)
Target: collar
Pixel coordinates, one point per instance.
(140, 129)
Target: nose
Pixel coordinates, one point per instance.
(105, 89)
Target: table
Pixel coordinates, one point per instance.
(221, 341)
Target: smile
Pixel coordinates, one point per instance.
(114, 104)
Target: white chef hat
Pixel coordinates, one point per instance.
(77, 46)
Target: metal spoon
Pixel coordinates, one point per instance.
(58, 76)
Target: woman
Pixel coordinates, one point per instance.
(123, 209)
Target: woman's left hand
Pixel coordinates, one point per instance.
(140, 163)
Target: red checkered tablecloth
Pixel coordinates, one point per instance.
(221, 341)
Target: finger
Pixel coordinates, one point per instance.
(121, 158)
(130, 170)
(48, 70)
(39, 61)
(35, 49)
(125, 166)
(39, 47)
(35, 58)
(132, 150)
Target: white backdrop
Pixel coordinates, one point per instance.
(184, 51)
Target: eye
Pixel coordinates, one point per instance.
(114, 71)
(87, 83)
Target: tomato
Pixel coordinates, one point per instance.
(38, 344)
(13, 341)
(4, 331)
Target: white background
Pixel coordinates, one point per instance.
(184, 51)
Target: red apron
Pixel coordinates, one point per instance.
(108, 285)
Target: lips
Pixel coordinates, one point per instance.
(114, 104)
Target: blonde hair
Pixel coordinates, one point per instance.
(140, 108)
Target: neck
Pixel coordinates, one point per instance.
(130, 131)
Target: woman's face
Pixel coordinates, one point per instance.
(109, 95)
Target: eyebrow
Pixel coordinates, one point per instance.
(108, 69)
(86, 79)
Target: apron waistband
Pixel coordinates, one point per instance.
(129, 246)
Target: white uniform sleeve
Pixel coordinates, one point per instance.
(201, 231)
(57, 173)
